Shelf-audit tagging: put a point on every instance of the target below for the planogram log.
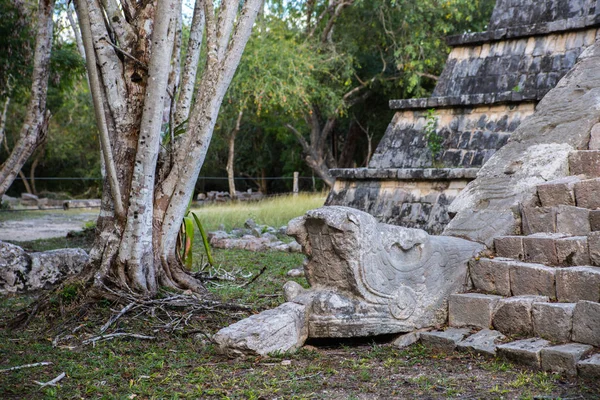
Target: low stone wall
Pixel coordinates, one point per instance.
(471, 135)
(413, 198)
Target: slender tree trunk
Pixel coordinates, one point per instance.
(3, 118)
(37, 118)
(231, 156)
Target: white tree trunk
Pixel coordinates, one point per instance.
(37, 119)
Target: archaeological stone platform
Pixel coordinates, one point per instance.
(491, 83)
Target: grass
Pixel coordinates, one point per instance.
(273, 211)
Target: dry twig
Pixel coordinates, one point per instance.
(103, 338)
(53, 382)
(40, 364)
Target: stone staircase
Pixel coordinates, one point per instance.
(542, 287)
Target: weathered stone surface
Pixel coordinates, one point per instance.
(572, 220)
(586, 193)
(595, 138)
(595, 220)
(509, 247)
(444, 340)
(585, 162)
(20, 271)
(538, 220)
(589, 367)
(532, 279)
(491, 275)
(564, 358)
(594, 247)
(407, 339)
(553, 321)
(371, 278)
(586, 323)
(526, 351)
(572, 251)
(558, 192)
(578, 283)
(483, 342)
(281, 329)
(537, 153)
(541, 248)
(512, 316)
(472, 309)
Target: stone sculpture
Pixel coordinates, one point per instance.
(367, 278)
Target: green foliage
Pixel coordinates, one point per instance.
(434, 140)
(186, 239)
(16, 46)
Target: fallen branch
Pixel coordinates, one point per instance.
(301, 378)
(103, 338)
(40, 364)
(53, 382)
(114, 318)
(255, 277)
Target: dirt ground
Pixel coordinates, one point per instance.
(24, 226)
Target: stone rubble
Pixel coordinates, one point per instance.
(253, 237)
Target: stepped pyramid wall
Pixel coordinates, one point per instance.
(491, 83)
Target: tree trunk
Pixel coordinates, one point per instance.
(231, 156)
(3, 118)
(37, 119)
(136, 250)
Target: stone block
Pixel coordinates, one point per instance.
(572, 251)
(526, 351)
(491, 275)
(532, 279)
(553, 321)
(540, 248)
(564, 358)
(586, 323)
(407, 339)
(509, 247)
(558, 192)
(595, 138)
(483, 342)
(595, 220)
(590, 367)
(572, 220)
(594, 247)
(585, 163)
(586, 194)
(512, 316)
(444, 340)
(578, 283)
(471, 309)
(538, 220)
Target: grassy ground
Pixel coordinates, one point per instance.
(274, 211)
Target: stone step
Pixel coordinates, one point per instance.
(558, 192)
(508, 277)
(570, 359)
(586, 193)
(585, 162)
(563, 219)
(551, 248)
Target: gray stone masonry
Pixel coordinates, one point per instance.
(538, 220)
(558, 192)
(471, 309)
(578, 283)
(541, 248)
(572, 220)
(586, 323)
(491, 275)
(483, 342)
(590, 367)
(564, 358)
(572, 251)
(526, 351)
(444, 340)
(407, 339)
(585, 162)
(594, 247)
(586, 193)
(512, 316)
(595, 138)
(595, 220)
(532, 279)
(509, 247)
(553, 321)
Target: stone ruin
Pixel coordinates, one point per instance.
(516, 272)
(492, 81)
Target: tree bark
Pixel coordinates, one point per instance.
(231, 156)
(37, 118)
